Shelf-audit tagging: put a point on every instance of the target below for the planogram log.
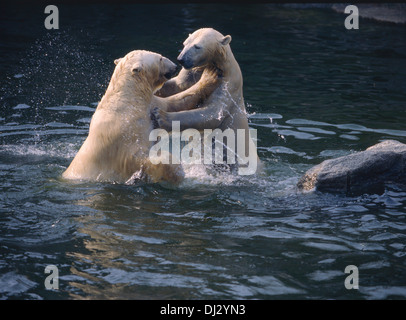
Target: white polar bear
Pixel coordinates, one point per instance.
(224, 109)
(118, 142)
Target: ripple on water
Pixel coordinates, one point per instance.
(71, 108)
(150, 279)
(282, 150)
(296, 134)
(261, 285)
(383, 292)
(325, 275)
(13, 283)
(312, 126)
(21, 106)
(265, 116)
(308, 122)
(316, 130)
(227, 223)
(326, 246)
(349, 137)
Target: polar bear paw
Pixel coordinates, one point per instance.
(160, 119)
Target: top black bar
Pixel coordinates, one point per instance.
(56, 2)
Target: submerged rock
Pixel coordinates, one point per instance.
(362, 172)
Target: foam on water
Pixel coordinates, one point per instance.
(59, 150)
(197, 174)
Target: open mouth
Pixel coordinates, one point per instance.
(168, 75)
(171, 73)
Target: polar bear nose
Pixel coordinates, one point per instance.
(172, 71)
(181, 60)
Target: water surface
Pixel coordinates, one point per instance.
(313, 90)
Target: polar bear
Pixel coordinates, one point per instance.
(118, 143)
(224, 108)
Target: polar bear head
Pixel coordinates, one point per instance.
(147, 66)
(202, 47)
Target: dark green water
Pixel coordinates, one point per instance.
(314, 90)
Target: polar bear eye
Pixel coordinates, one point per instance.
(197, 47)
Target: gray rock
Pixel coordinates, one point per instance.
(362, 172)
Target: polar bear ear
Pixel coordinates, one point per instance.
(117, 61)
(226, 40)
(136, 68)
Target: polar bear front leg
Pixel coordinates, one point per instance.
(161, 172)
(163, 169)
(209, 117)
(183, 81)
(195, 95)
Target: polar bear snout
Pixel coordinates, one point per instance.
(185, 60)
(170, 69)
(172, 72)
(181, 59)
(192, 57)
(186, 63)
